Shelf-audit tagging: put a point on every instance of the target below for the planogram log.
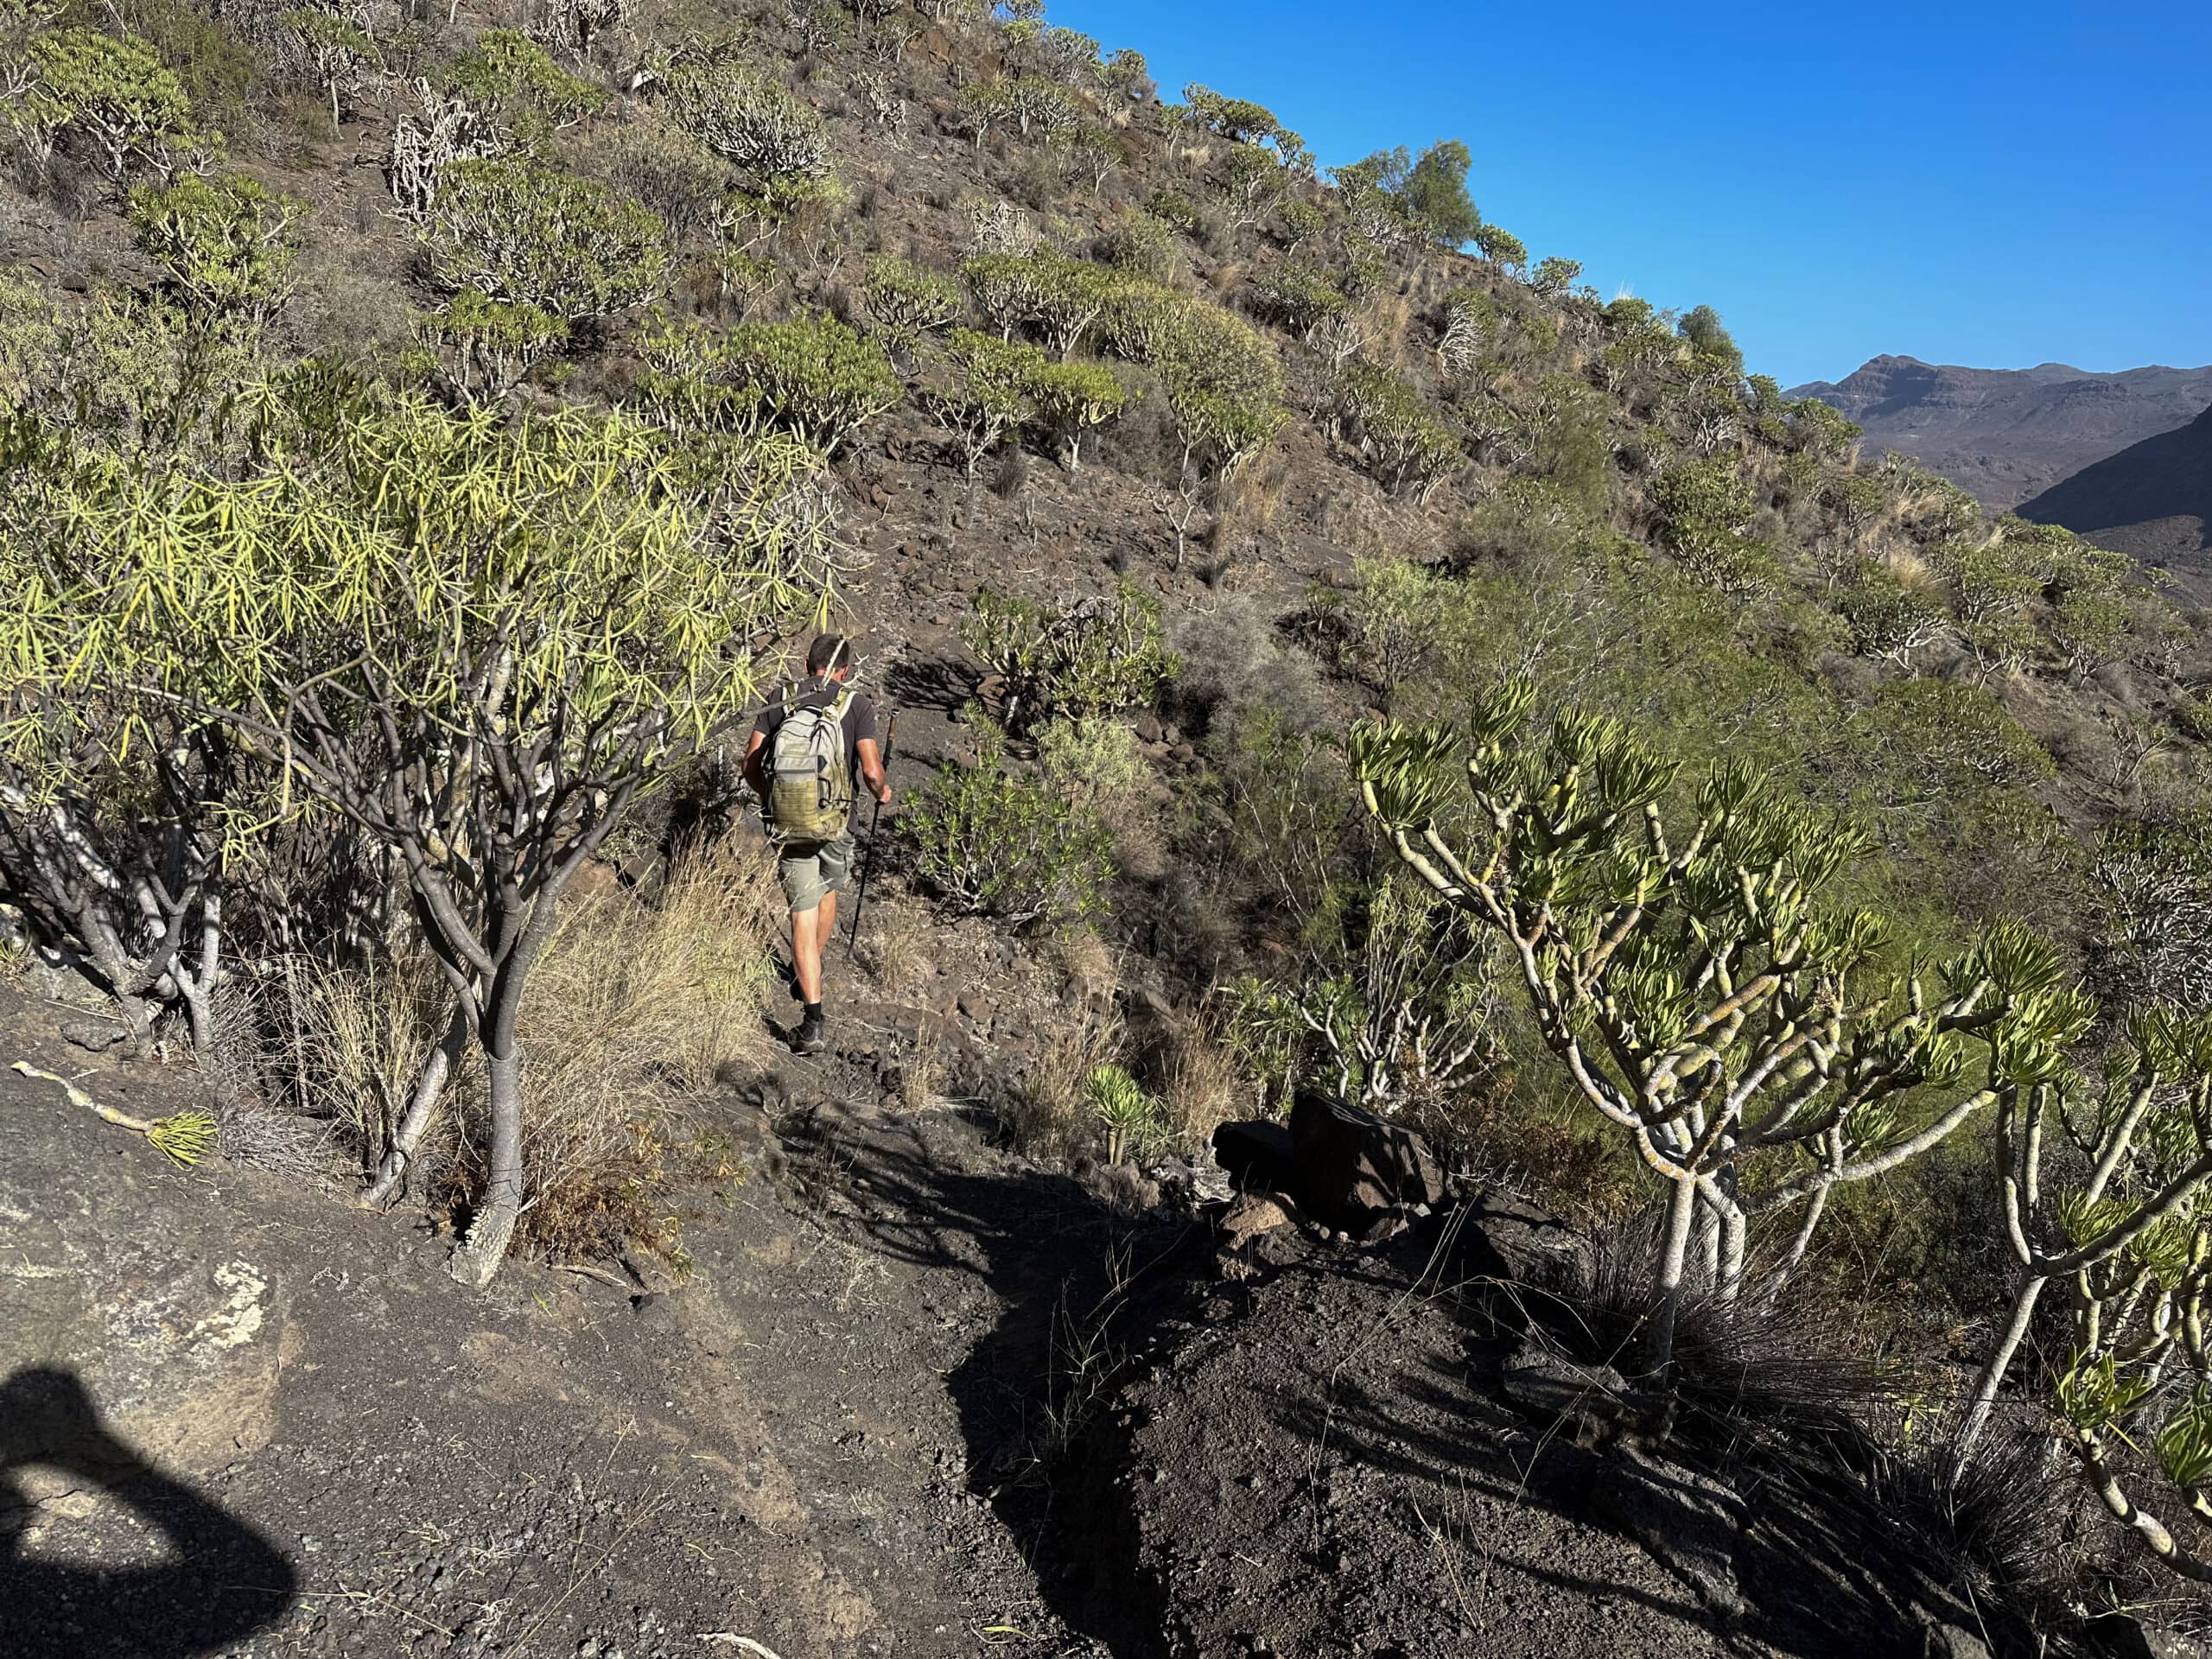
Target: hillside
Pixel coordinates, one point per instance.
(1450, 1040)
(2152, 501)
(2005, 434)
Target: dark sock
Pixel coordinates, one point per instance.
(813, 1010)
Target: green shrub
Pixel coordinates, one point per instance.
(906, 302)
(1093, 656)
(820, 379)
(525, 234)
(1704, 513)
(982, 391)
(116, 96)
(1942, 732)
(989, 842)
(1135, 1122)
(1138, 244)
(229, 243)
(1298, 297)
(1403, 445)
(485, 349)
(338, 54)
(1889, 618)
(1060, 297)
(1072, 398)
(1171, 207)
(509, 76)
(747, 115)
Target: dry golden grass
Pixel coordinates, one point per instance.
(895, 943)
(1049, 1117)
(1093, 975)
(1205, 1088)
(636, 1003)
(351, 1039)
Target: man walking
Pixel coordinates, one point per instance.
(807, 750)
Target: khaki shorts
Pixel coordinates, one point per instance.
(811, 869)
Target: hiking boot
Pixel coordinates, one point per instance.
(806, 1037)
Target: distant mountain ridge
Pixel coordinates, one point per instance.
(2009, 435)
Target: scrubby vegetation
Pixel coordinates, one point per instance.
(1569, 745)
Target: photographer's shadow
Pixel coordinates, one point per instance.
(221, 1579)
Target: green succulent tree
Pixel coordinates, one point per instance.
(1693, 986)
(476, 642)
(486, 348)
(1072, 399)
(117, 95)
(982, 391)
(2123, 1220)
(511, 78)
(521, 233)
(229, 244)
(336, 54)
(816, 377)
(747, 115)
(906, 302)
(1100, 655)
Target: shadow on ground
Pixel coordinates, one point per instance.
(220, 1580)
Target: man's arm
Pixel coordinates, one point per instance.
(756, 764)
(872, 771)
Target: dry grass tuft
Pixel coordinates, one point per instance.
(895, 945)
(635, 1004)
(1204, 1087)
(1050, 1118)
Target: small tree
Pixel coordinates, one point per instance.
(511, 79)
(747, 116)
(2123, 1223)
(228, 244)
(985, 392)
(486, 348)
(335, 51)
(1706, 511)
(523, 234)
(1404, 445)
(1072, 398)
(1555, 276)
(1101, 655)
(820, 379)
(1435, 197)
(1696, 994)
(906, 302)
(117, 95)
(475, 642)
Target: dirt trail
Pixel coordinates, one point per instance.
(372, 1459)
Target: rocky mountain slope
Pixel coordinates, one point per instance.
(1242, 452)
(2152, 500)
(2006, 435)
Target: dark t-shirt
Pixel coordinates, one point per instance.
(818, 693)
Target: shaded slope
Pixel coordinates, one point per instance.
(2152, 501)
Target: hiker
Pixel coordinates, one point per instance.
(806, 751)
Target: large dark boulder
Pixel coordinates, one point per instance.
(1351, 1170)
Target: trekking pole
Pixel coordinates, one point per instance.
(868, 859)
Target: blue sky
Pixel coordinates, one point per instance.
(1957, 180)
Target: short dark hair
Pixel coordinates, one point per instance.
(829, 651)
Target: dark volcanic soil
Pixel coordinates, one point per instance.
(915, 1398)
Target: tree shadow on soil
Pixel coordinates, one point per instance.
(222, 1580)
(936, 684)
(1068, 1271)
(1821, 1570)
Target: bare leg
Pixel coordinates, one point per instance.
(807, 933)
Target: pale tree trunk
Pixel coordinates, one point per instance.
(1983, 1401)
(431, 1079)
(1813, 1207)
(493, 1226)
(1667, 1286)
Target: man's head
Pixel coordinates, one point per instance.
(830, 656)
